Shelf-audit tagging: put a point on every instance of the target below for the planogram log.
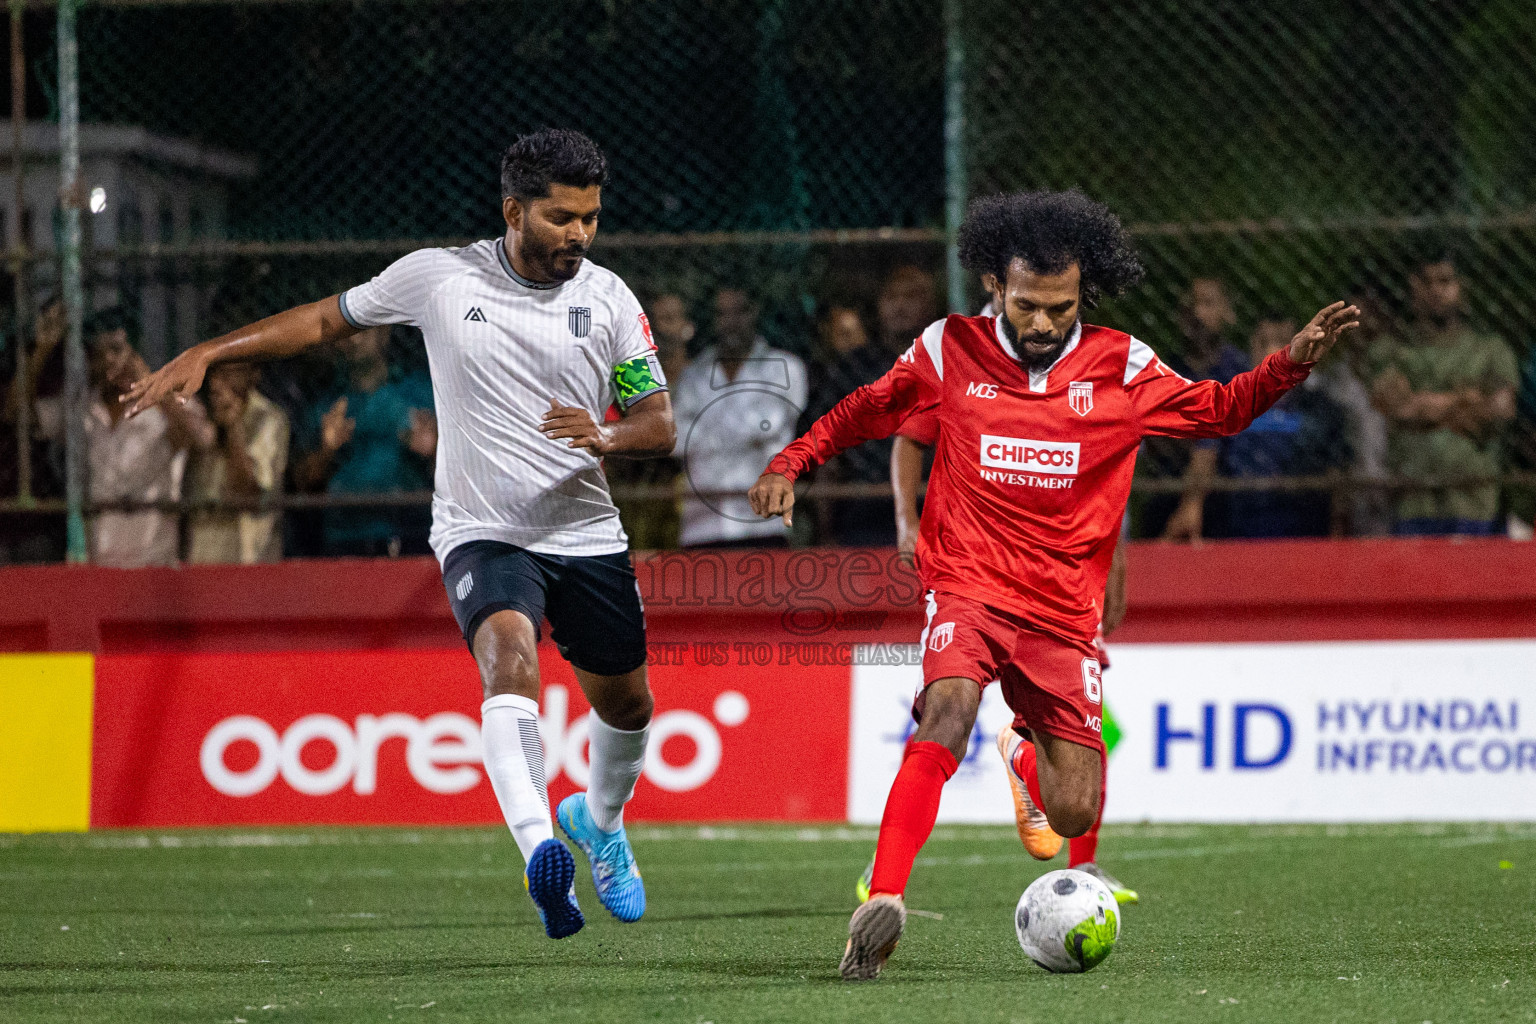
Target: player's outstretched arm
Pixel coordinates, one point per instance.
(1170, 406)
(285, 334)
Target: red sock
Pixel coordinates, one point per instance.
(1086, 846)
(1024, 764)
(910, 812)
(1083, 849)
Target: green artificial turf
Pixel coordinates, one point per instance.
(1350, 923)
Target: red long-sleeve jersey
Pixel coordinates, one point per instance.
(1031, 470)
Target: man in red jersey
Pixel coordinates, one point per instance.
(1040, 417)
(914, 439)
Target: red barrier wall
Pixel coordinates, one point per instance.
(1275, 590)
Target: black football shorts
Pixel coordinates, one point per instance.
(592, 601)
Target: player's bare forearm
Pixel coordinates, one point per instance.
(1114, 592)
(906, 481)
(647, 430)
(286, 334)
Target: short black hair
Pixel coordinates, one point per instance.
(551, 156)
(1050, 231)
(104, 321)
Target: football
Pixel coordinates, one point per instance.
(1067, 921)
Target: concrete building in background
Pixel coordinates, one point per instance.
(143, 192)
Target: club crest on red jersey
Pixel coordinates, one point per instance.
(1080, 396)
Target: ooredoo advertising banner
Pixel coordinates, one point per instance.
(393, 737)
(1369, 731)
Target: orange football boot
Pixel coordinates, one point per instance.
(1035, 830)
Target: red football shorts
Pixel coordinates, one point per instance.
(1051, 684)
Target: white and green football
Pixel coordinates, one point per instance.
(1067, 921)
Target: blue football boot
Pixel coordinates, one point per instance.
(614, 874)
(550, 879)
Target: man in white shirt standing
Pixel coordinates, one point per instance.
(141, 459)
(528, 343)
(737, 405)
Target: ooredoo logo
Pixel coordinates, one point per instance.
(442, 751)
(1055, 457)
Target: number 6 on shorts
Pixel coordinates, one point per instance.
(1093, 681)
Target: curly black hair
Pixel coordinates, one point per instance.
(1050, 231)
(551, 156)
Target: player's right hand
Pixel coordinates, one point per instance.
(180, 378)
(773, 495)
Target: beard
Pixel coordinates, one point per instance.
(1037, 349)
(555, 263)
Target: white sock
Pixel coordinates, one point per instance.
(514, 760)
(616, 757)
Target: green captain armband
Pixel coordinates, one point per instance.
(636, 379)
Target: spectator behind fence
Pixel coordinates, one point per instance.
(142, 459)
(652, 523)
(1447, 392)
(672, 330)
(1303, 434)
(24, 537)
(1205, 317)
(1346, 378)
(906, 305)
(244, 462)
(736, 405)
(378, 436)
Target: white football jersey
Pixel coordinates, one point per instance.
(501, 350)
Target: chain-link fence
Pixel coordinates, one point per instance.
(240, 158)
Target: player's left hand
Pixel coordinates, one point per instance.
(1313, 341)
(575, 426)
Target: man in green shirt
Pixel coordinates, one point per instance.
(1447, 392)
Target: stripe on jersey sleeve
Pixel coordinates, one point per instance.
(346, 314)
(933, 343)
(1138, 358)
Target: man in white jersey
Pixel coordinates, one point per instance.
(528, 343)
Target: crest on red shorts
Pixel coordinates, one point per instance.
(1080, 396)
(942, 634)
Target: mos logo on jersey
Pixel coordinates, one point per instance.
(1017, 453)
(580, 321)
(1080, 396)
